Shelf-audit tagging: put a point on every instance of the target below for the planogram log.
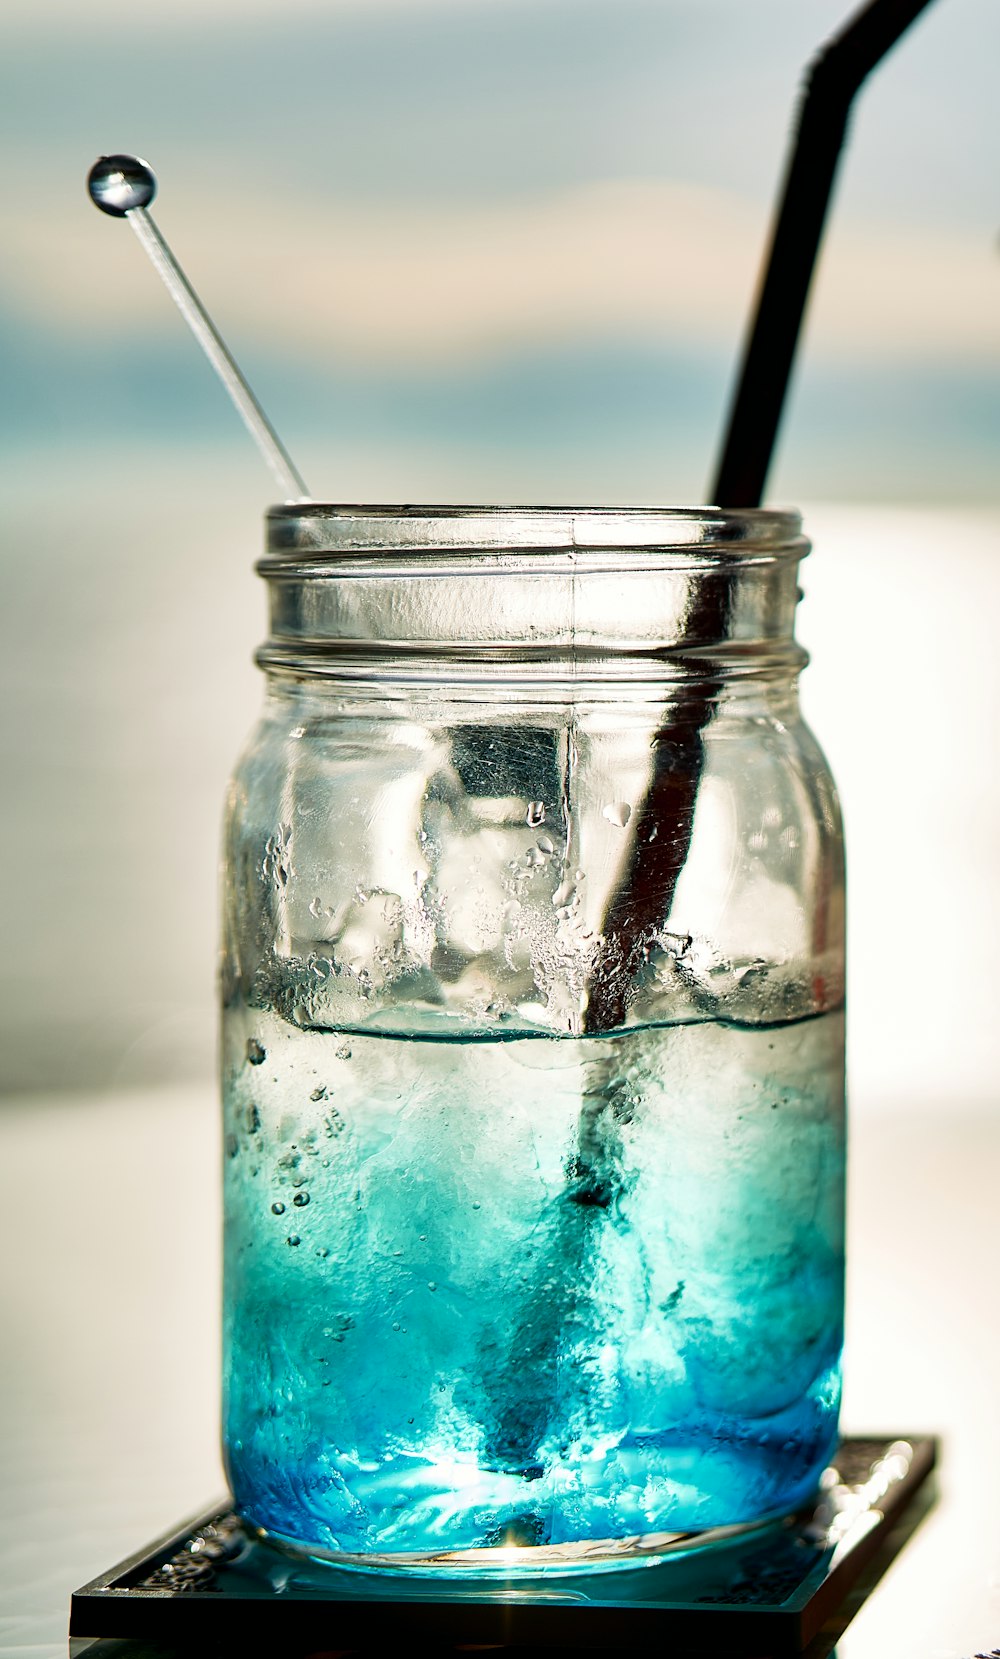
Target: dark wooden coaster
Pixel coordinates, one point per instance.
(787, 1590)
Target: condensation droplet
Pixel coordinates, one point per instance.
(618, 813)
(343, 1052)
(432, 1284)
(252, 1119)
(255, 1053)
(535, 814)
(300, 1200)
(293, 1239)
(318, 1094)
(322, 1252)
(476, 1204)
(395, 1324)
(232, 1146)
(277, 1209)
(316, 909)
(545, 844)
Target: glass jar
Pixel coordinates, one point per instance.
(532, 1041)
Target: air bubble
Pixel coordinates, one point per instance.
(232, 1146)
(293, 1239)
(545, 844)
(535, 814)
(300, 1200)
(322, 1252)
(343, 1052)
(318, 1094)
(255, 1053)
(277, 1209)
(432, 1284)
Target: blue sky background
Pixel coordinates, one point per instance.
(508, 244)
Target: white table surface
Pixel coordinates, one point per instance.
(109, 1279)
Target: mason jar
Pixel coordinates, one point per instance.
(533, 985)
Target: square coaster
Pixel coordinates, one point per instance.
(787, 1589)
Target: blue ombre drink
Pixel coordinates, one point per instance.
(534, 1292)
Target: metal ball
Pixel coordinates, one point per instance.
(117, 184)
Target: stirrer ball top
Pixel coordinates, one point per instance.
(117, 184)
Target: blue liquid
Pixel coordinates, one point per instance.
(539, 1291)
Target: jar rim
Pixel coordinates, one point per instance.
(333, 530)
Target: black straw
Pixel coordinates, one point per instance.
(832, 81)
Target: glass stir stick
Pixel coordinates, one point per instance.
(124, 186)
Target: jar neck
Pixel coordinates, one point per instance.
(533, 598)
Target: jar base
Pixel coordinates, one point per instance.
(522, 1562)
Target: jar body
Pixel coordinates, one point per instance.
(534, 1130)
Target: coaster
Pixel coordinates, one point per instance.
(771, 1594)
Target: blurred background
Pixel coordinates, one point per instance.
(494, 250)
(497, 250)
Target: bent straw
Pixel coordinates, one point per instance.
(664, 819)
(833, 79)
